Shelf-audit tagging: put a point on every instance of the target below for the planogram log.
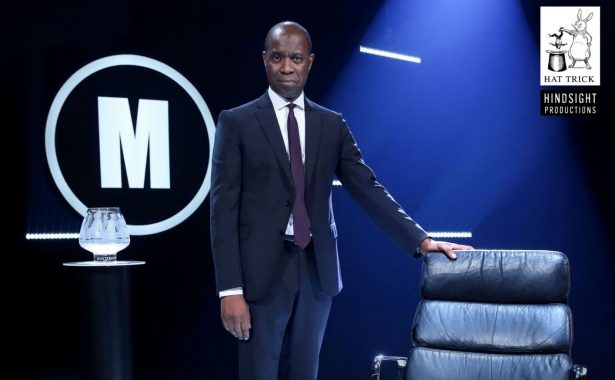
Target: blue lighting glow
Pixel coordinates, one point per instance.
(460, 143)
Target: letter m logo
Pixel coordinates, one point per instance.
(117, 136)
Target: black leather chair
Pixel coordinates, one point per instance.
(491, 315)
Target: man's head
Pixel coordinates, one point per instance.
(288, 58)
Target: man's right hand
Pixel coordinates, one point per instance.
(236, 316)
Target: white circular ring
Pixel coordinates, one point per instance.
(127, 60)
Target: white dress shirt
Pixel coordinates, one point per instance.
(280, 106)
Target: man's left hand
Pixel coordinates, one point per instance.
(429, 245)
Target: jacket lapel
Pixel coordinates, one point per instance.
(313, 126)
(269, 123)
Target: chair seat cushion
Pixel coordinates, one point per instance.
(493, 327)
(432, 364)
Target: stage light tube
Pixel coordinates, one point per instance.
(389, 54)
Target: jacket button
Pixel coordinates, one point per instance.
(288, 202)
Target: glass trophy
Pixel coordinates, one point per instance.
(104, 233)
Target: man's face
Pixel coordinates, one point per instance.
(288, 62)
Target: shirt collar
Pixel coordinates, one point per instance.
(279, 102)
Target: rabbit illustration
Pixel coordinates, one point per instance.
(581, 40)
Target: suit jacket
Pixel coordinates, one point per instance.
(251, 195)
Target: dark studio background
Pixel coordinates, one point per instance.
(457, 139)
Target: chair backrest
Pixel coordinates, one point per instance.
(493, 315)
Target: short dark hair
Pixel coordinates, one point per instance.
(288, 24)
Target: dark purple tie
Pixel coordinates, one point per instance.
(301, 222)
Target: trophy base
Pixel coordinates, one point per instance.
(117, 263)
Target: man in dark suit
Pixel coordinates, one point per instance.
(272, 225)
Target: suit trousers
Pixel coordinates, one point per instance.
(288, 324)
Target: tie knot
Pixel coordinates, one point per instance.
(291, 106)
